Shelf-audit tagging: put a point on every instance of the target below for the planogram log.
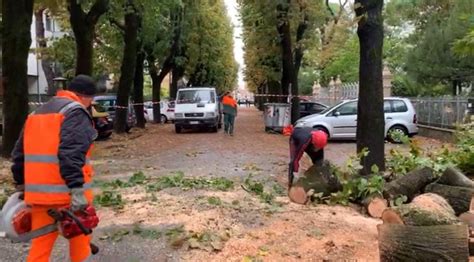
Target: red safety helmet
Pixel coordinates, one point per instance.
(319, 139)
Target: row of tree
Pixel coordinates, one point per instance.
(125, 38)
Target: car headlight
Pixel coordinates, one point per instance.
(178, 115)
(210, 114)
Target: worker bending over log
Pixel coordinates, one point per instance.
(304, 139)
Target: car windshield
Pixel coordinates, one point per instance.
(330, 108)
(196, 96)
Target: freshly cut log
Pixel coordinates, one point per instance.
(468, 219)
(426, 243)
(318, 179)
(375, 206)
(471, 246)
(458, 197)
(454, 177)
(424, 210)
(410, 184)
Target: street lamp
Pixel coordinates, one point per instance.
(59, 84)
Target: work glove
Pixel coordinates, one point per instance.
(78, 199)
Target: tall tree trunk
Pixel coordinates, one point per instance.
(46, 63)
(138, 90)
(176, 75)
(127, 69)
(288, 68)
(83, 25)
(370, 116)
(157, 80)
(16, 40)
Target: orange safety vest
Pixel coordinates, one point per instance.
(44, 184)
(229, 101)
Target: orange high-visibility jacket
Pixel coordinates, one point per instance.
(44, 184)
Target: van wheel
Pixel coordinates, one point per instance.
(178, 129)
(395, 133)
(164, 119)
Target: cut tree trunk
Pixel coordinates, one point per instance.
(458, 197)
(375, 206)
(468, 219)
(424, 210)
(16, 40)
(318, 179)
(454, 177)
(410, 184)
(370, 114)
(428, 243)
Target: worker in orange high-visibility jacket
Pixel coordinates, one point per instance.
(51, 163)
(230, 112)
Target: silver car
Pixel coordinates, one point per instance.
(340, 121)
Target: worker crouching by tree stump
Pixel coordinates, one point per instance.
(317, 178)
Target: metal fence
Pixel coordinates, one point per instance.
(445, 112)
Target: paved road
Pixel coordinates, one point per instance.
(158, 151)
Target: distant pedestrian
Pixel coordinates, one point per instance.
(247, 101)
(230, 112)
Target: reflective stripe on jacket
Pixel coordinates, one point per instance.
(44, 178)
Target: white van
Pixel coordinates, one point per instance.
(197, 107)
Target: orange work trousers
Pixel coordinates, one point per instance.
(41, 247)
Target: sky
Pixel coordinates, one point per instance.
(233, 12)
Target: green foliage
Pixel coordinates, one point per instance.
(345, 63)
(187, 183)
(136, 179)
(462, 156)
(215, 201)
(398, 201)
(109, 199)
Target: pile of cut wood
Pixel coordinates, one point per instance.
(435, 224)
(434, 221)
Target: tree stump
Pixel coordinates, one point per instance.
(458, 197)
(318, 179)
(424, 210)
(375, 206)
(423, 243)
(454, 177)
(410, 184)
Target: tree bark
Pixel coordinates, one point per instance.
(425, 210)
(289, 73)
(371, 122)
(127, 69)
(16, 40)
(46, 63)
(429, 243)
(454, 177)
(83, 25)
(138, 90)
(410, 184)
(458, 197)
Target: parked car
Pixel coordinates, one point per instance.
(102, 122)
(108, 102)
(166, 110)
(308, 108)
(196, 108)
(340, 121)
